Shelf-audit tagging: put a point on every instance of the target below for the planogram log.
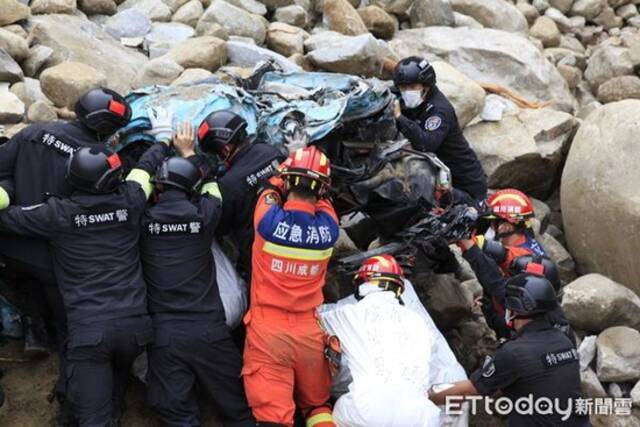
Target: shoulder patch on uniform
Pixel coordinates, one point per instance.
(554, 359)
(488, 367)
(432, 123)
(271, 199)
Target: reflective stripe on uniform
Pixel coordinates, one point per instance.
(143, 178)
(297, 253)
(320, 420)
(4, 198)
(212, 189)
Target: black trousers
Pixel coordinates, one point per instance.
(99, 357)
(186, 354)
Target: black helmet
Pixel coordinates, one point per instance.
(530, 294)
(179, 173)
(221, 128)
(94, 170)
(537, 264)
(414, 70)
(103, 110)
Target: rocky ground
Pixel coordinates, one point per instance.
(578, 155)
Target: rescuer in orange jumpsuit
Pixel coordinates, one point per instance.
(296, 228)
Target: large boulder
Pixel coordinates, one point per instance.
(248, 55)
(90, 7)
(13, 11)
(29, 92)
(128, 23)
(619, 88)
(524, 150)
(251, 6)
(65, 83)
(164, 36)
(11, 108)
(189, 13)
(340, 16)
(607, 62)
(159, 71)
(497, 14)
(546, 30)
(45, 7)
(362, 55)
(426, 13)
(237, 21)
(491, 56)
(74, 38)
(378, 22)
(588, 8)
(591, 385)
(200, 52)
(14, 45)
(155, 10)
(286, 39)
(10, 71)
(599, 193)
(559, 255)
(594, 302)
(393, 6)
(293, 15)
(41, 112)
(618, 355)
(466, 95)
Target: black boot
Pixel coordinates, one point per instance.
(36, 340)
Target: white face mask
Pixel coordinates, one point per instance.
(411, 98)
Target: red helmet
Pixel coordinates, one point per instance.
(308, 167)
(510, 205)
(382, 268)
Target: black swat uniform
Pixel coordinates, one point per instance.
(540, 361)
(247, 171)
(94, 240)
(192, 342)
(433, 126)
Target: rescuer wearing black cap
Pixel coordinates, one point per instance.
(34, 161)
(539, 362)
(93, 235)
(192, 342)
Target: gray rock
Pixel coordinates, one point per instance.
(286, 39)
(361, 55)
(340, 16)
(546, 30)
(591, 385)
(446, 300)
(46, 7)
(10, 71)
(98, 7)
(587, 351)
(594, 302)
(541, 5)
(563, 6)
(164, 36)
(11, 108)
(14, 45)
(635, 394)
(65, 83)
(393, 6)
(381, 24)
(159, 71)
(73, 38)
(618, 3)
(531, 140)
(293, 15)
(251, 6)
(13, 11)
(128, 23)
(607, 62)
(38, 57)
(174, 5)
(571, 43)
(618, 355)
(201, 52)
(236, 21)
(608, 19)
(189, 13)
(155, 10)
(529, 11)
(559, 255)
(426, 13)
(191, 75)
(634, 22)
(466, 21)
(571, 74)
(587, 8)
(559, 55)
(507, 59)
(563, 23)
(627, 11)
(246, 55)
(29, 91)
(41, 112)
(619, 88)
(496, 14)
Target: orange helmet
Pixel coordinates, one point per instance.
(383, 269)
(308, 167)
(510, 205)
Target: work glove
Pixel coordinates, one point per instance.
(161, 124)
